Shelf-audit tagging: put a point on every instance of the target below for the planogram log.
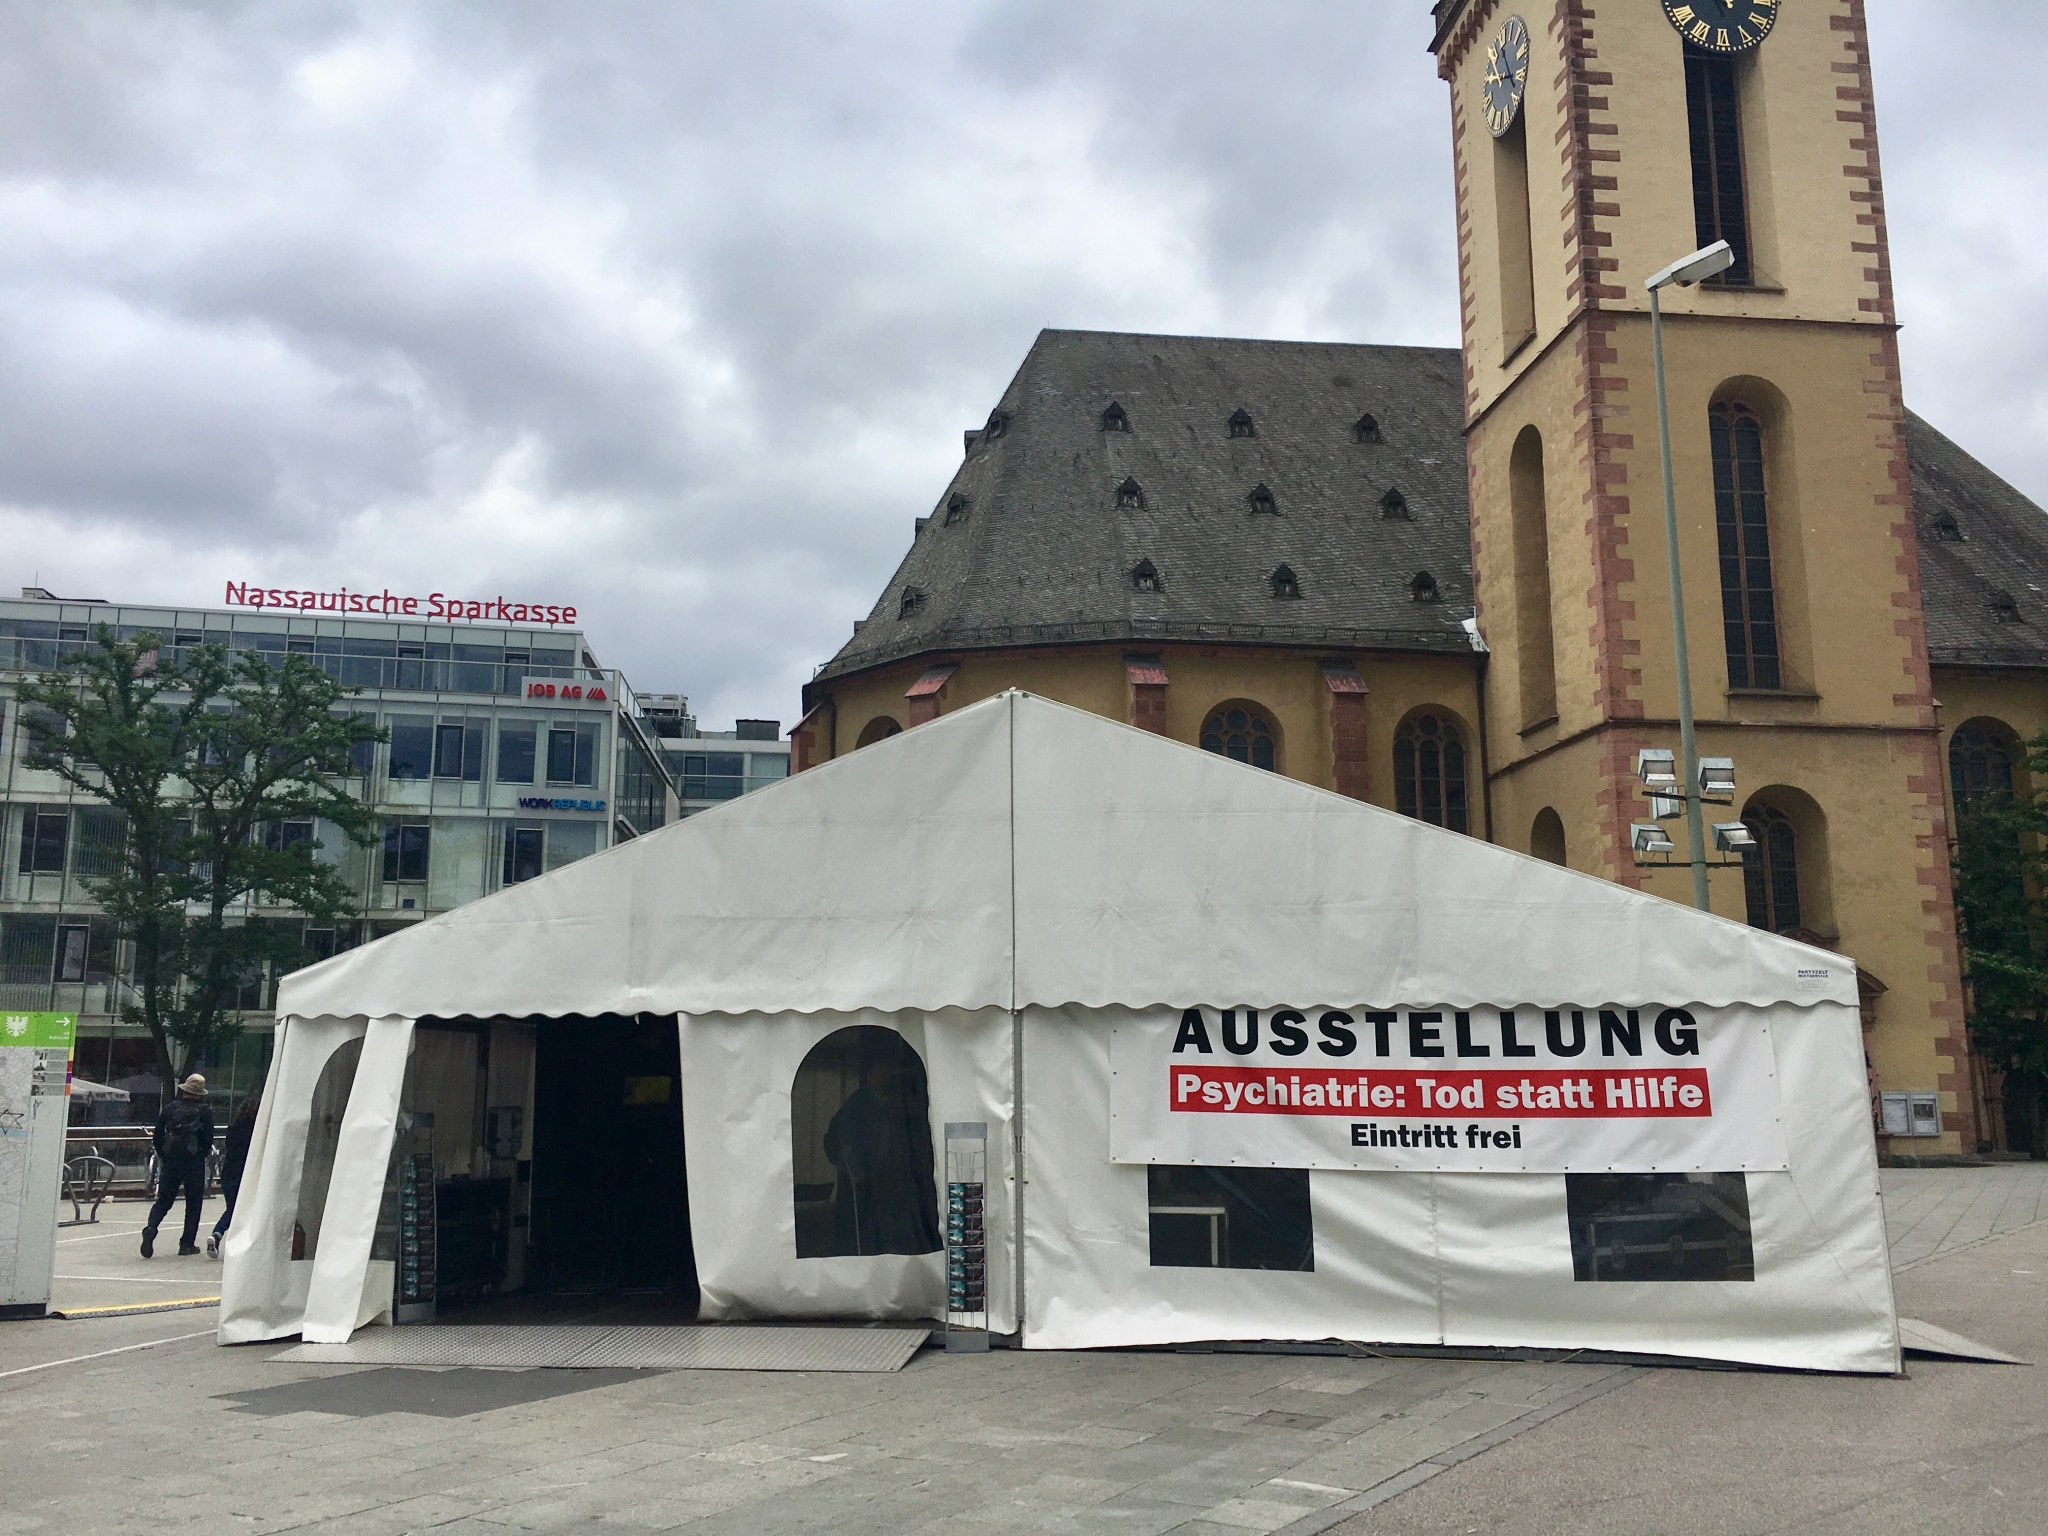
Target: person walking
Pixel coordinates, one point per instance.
(234, 1157)
(183, 1137)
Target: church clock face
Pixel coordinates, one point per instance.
(1507, 72)
(1722, 26)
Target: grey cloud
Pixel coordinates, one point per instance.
(678, 311)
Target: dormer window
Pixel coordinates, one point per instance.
(1241, 424)
(912, 602)
(956, 508)
(1945, 529)
(1286, 586)
(998, 425)
(1145, 577)
(2005, 608)
(1114, 419)
(1394, 504)
(1423, 588)
(1130, 494)
(1367, 428)
(1261, 501)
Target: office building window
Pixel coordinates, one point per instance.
(765, 768)
(44, 836)
(405, 851)
(713, 775)
(562, 755)
(283, 836)
(572, 753)
(523, 850)
(516, 743)
(412, 746)
(71, 951)
(459, 750)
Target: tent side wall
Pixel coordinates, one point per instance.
(740, 1073)
(1461, 1259)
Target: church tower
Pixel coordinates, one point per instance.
(1594, 146)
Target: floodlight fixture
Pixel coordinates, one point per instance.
(1656, 767)
(1733, 837)
(1648, 837)
(1667, 807)
(1708, 261)
(1717, 775)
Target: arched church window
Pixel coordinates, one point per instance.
(1713, 109)
(1429, 771)
(1979, 764)
(1770, 870)
(1241, 734)
(861, 1148)
(1749, 610)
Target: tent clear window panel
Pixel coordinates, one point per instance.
(323, 1140)
(1230, 1218)
(1659, 1226)
(861, 1148)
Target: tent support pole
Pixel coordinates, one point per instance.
(1017, 1158)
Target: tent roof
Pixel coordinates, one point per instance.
(1019, 852)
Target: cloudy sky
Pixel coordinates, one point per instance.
(676, 311)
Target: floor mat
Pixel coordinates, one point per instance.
(732, 1347)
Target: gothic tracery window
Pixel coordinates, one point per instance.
(1979, 764)
(1241, 734)
(1429, 771)
(1770, 870)
(1749, 610)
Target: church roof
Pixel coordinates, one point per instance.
(1983, 558)
(1146, 489)
(1241, 459)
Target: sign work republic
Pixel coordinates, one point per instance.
(1482, 1090)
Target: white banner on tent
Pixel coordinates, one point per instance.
(1484, 1090)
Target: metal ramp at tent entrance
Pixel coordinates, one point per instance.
(726, 1347)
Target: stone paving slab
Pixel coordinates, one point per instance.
(1141, 1442)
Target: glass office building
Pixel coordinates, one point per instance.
(512, 752)
(710, 767)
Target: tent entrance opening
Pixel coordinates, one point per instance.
(610, 1211)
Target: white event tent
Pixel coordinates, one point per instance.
(1077, 926)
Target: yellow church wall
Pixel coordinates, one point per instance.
(1833, 552)
(1288, 686)
(2014, 700)
(1802, 217)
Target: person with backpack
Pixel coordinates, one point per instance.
(234, 1157)
(183, 1137)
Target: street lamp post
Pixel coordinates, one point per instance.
(1700, 264)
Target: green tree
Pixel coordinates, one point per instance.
(207, 758)
(2003, 921)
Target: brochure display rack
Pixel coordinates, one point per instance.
(966, 1236)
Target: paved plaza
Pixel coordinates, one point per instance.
(121, 1422)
